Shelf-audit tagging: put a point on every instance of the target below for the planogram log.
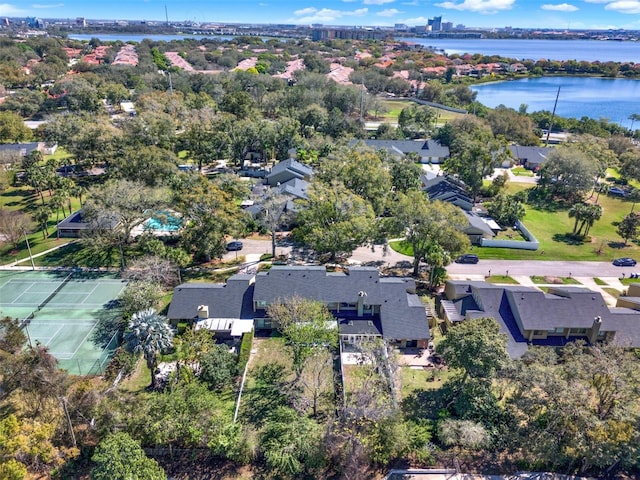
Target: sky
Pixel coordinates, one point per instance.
(556, 14)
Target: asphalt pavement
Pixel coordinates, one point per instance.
(381, 257)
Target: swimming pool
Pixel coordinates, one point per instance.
(163, 222)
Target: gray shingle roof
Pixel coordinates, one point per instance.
(20, 148)
(402, 315)
(295, 187)
(561, 307)
(478, 224)
(424, 148)
(443, 188)
(530, 155)
(230, 300)
(288, 170)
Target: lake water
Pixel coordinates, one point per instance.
(614, 99)
(589, 50)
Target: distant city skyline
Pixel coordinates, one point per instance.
(555, 14)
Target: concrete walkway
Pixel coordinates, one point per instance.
(15, 266)
(585, 282)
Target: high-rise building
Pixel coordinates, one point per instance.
(447, 26)
(435, 23)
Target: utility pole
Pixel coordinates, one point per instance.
(553, 114)
(361, 101)
(33, 265)
(66, 412)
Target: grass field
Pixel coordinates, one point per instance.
(552, 228)
(540, 280)
(412, 379)
(502, 279)
(394, 107)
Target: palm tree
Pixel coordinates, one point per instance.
(149, 334)
(579, 211)
(594, 212)
(41, 216)
(634, 117)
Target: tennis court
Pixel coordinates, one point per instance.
(60, 309)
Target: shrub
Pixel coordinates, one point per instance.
(245, 350)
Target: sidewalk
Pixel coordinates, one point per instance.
(14, 265)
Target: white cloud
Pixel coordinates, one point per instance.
(624, 6)
(7, 10)
(44, 5)
(414, 21)
(480, 6)
(414, 3)
(325, 15)
(562, 7)
(389, 12)
(377, 2)
(306, 11)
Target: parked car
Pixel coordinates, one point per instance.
(234, 246)
(624, 262)
(617, 192)
(467, 258)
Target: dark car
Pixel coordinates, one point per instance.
(624, 262)
(617, 192)
(234, 246)
(467, 258)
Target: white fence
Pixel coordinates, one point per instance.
(531, 243)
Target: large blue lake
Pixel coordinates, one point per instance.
(588, 50)
(614, 99)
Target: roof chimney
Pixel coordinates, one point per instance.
(203, 311)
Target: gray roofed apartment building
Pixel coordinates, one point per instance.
(528, 315)
(363, 303)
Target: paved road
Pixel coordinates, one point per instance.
(538, 267)
(497, 267)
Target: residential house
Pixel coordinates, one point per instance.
(530, 157)
(364, 304)
(287, 170)
(447, 189)
(428, 151)
(529, 316)
(75, 224)
(24, 149)
(479, 228)
(225, 309)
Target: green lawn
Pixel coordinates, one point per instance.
(614, 292)
(522, 172)
(501, 279)
(554, 280)
(551, 228)
(420, 379)
(25, 199)
(599, 281)
(394, 107)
